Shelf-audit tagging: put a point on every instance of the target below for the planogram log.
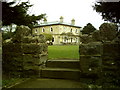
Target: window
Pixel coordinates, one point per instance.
(51, 29)
(76, 31)
(76, 40)
(52, 39)
(71, 39)
(71, 29)
(43, 30)
(65, 39)
(36, 31)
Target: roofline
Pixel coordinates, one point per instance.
(57, 24)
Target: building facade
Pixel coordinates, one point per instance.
(62, 32)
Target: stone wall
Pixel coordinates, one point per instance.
(24, 54)
(90, 62)
(0, 38)
(100, 63)
(100, 57)
(111, 64)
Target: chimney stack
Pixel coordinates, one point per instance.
(73, 22)
(61, 19)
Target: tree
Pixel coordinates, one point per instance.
(109, 11)
(108, 31)
(48, 37)
(89, 28)
(7, 35)
(17, 14)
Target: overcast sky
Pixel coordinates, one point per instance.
(80, 10)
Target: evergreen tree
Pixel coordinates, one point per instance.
(89, 28)
(110, 11)
(17, 14)
(108, 31)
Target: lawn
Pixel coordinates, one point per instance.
(63, 52)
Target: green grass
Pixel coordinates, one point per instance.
(11, 81)
(63, 52)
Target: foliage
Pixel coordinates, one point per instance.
(7, 35)
(96, 35)
(0, 51)
(85, 38)
(63, 33)
(89, 28)
(17, 14)
(11, 81)
(14, 63)
(108, 31)
(109, 11)
(68, 34)
(48, 37)
(20, 32)
(0, 38)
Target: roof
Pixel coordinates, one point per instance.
(56, 23)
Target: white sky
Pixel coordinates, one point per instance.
(80, 10)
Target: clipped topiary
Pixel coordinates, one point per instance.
(20, 32)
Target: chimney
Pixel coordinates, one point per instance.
(73, 22)
(45, 20)
(61, 19)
